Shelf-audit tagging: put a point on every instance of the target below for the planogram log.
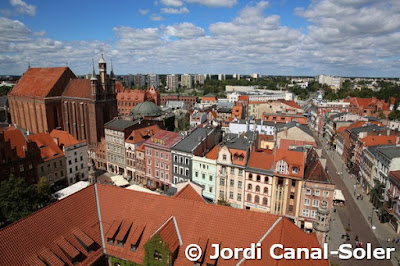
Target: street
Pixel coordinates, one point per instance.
(351, 217)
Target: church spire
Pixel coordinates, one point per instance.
(112, 70)
(93, 73)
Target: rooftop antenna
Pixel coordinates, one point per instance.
(29, 64)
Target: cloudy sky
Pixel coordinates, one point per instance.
(277, 37)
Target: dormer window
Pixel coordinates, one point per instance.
(110, 241)
(133, 248)
(295, 170)
(224, 157)
(157, 255)
(120, 243)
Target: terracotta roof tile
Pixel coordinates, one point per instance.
(136, 95)
(35, 233)
(292, 158)
(64, 138)
(378, 140)
(188, 192)
(17, 140)
(42, 82)
(164, 139)
(48, 148)
(261, 160)
(78, 88)
(213, 153)
(170, 235)
(141, 148)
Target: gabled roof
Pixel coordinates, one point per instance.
(17, 140)
(64, 138)
(42, 82)
(188, 192)
(314, 171)
(141, 148)
(190, 142)
(292, 158)
(42, 235)
(138, 216)
(48, 148)
(164, 139)
(78, 88)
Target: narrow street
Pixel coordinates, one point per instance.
(351, 217)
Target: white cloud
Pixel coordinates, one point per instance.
(23, 7)
(214, 3)
(174, 3)
(184, 31)
(155, 17)
(144, 11)
(169, 10)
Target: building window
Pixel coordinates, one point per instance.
(156, 153)
(258, 178)
(282, 167)
(149, 161)
(257, 188)
(156, 173)
(257, 199)
(315, 203)
(187, 172)
(266, 190)
(21, 168)
(326, 194)
(221, 194)
(250, 177)
(266, 180)
(211, 178)
(295, 170)
(240, 172)
(249, 197)
(249, 187)
(222, 182)
(232, 170)
(224, 157)
(314, 214)
(239, 184)
(265, 201)
(239, 196)
(305, 212)
(210, 189)
(307, 202)
(196, 174)
(308, 191)
(316, 192)
(231, 195)
(156, 163)
(232, 182)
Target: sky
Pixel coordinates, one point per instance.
(276, 37)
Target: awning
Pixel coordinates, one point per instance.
(338, 195)
(308, 225)
(119, 181)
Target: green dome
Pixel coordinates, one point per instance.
(146, 109)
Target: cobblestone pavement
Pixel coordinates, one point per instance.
(355, 216)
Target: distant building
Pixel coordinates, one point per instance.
(187, 99)
(199, 79)
(187, 81)
(221, 77)
(152, 80)
(172, 82)
(128, 99)
(335, 82)
(139, 80)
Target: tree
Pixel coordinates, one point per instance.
(18, 198)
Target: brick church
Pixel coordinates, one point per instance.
(49, 98)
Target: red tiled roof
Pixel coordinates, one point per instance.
(188, 192)
(48, 148)
(238, 154)
(213, 153)
(24, 240)
(17, 140)
(64, 138)
(341, 129)
(261, 160)
(292, 158)
(291, 104)
(78, 88)
(37, 234)
(141, 134)
(243, 98)
(141, 148)
(42, 82)
(132, 95)
(378, 140)
(209, 98)
(167, 139)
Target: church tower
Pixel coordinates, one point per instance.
(103, 73)
(322, 224)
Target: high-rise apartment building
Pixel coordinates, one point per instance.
(187, 81)
(172, 82)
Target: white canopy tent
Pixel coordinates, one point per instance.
(119, 181)
(338, 196)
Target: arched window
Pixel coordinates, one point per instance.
(257, 188)
(257, 199)
(282, 167)
(265, 190)
(266, 180)
(249, 187)
(258, 178)
(250, 177)
(265, 201)
(248, 197)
